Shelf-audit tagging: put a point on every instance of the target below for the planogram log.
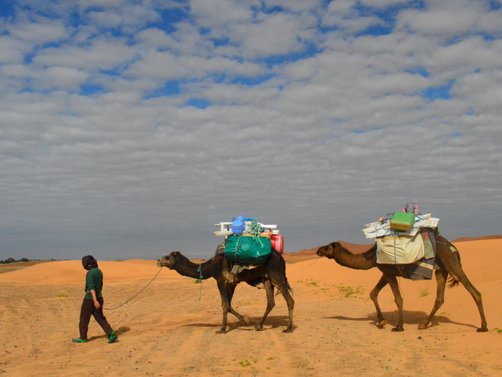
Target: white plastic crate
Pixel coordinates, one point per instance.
(224, 228)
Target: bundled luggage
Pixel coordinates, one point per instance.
(399, 236)
(249, 242)
(247, 249)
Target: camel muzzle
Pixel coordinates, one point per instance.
(160, 264)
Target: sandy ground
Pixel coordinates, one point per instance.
(169, 329)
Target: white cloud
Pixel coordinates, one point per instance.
(333, 138)
(62, 78)
(109, 19)
(463, 57)
(156, 39)
(444, 22)
(349, 21)
(383, 3)
(39, 32)
(445, 19)
(273, 35)
(12, 50)
(302, 70)
(86, 4)
(342, 7)
(220, 13)
(490, 22)
(99, 54)
(294, 5)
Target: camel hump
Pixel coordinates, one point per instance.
(355, 248)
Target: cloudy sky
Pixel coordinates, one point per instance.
(128, 128)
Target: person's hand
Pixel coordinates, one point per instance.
(97, 305)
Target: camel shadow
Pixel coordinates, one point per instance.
(271, 323)
(410, 318)
(119, 331)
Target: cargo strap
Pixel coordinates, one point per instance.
(200, 280)
(199, 270)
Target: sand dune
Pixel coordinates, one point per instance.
(71, 272)
(169, 329)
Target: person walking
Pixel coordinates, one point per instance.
(93, 302)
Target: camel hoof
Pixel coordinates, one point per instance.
(482, 329)
(244, 320)
(288, 330)
(398, 329)
(258, 327)
(422, 326)
(221, 331)
(381, 324)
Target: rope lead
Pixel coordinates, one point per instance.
(141, 290)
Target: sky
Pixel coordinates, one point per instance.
(128, 128)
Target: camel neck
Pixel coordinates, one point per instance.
(202, 270)
(363, 261)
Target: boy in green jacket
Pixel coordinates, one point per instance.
(93, 302)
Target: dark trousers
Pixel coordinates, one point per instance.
(86, 311)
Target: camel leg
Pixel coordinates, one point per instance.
(279, 280)
(291, 304)
(226, 294)
(374, 297)
(394, 285)
(283, 287)
(230, 292)
(441, 277)
(269, 288)
(224, 306)
(476, 295)
(455, 269)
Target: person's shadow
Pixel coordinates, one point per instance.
(119, 331)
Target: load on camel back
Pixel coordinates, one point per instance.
(392, 259)
(249, 242)
(406, 239)
(251, 253)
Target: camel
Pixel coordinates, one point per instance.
(272, 274)
(447, 263)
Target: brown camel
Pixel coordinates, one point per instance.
(271, 274)
(447, 261)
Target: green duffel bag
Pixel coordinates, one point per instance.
(402, 221)
(247, 250)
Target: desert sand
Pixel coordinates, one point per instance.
(169, 328)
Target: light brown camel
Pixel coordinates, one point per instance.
(447, 261)
(271, 274)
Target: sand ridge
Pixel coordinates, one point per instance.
(169, 329)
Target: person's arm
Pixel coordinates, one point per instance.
(97, 305)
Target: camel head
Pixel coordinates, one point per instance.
(328, 250)
(170, 260)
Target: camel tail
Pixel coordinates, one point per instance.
(288, 287)
(452, 279)
(290, 290)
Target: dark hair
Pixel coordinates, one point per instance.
(89, 262)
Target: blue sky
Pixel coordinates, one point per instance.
(128, 128)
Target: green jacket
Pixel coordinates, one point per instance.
(93, 280)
